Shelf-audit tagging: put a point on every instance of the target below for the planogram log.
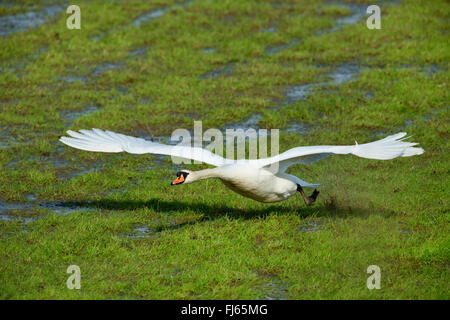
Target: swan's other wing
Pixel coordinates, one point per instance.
(107, 141)
(388, 148)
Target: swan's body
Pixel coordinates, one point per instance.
(255, 183)
(263, 180)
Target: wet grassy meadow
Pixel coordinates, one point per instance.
(145, 68)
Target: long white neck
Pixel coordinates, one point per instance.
(203, 174)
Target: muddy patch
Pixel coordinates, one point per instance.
(25, 21)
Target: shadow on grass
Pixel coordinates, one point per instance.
(211, 212)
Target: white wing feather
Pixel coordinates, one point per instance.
(107, 141)
(388, 148)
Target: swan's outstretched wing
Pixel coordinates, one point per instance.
(107, 141)
(387, 148)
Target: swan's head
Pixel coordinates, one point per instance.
(182, 177)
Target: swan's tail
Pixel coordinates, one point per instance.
(388, 148)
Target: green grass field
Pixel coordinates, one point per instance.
(145, 68)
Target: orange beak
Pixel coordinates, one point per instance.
(178, 180)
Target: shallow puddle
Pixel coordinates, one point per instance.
(341, 74)
(309, 227)
(154, 14)
(71, 79)
(272, 289)
(71, 116)
(8, 210)
(140, 232)
(9, 217)
(6, 207)
(19, 66)
(157, 13)
(251, 122)
(144, 18)
(145, 232)
(81, 170)
(63, 208)
(409, 123)
(432, 69)
(28, 20)
(344, 73)
(139, 52)
(217, 72)
(6, 139)
(209, 50)
(269, 29)
(106, 66)
(276, 49)
(358, 12)
(297, 127)
(297, 93)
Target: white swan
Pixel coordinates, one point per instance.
(263, 180)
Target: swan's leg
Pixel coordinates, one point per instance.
(308, 200)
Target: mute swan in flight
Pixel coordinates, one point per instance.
(264, 180)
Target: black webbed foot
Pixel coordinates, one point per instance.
(308, 200)
(312, 198)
